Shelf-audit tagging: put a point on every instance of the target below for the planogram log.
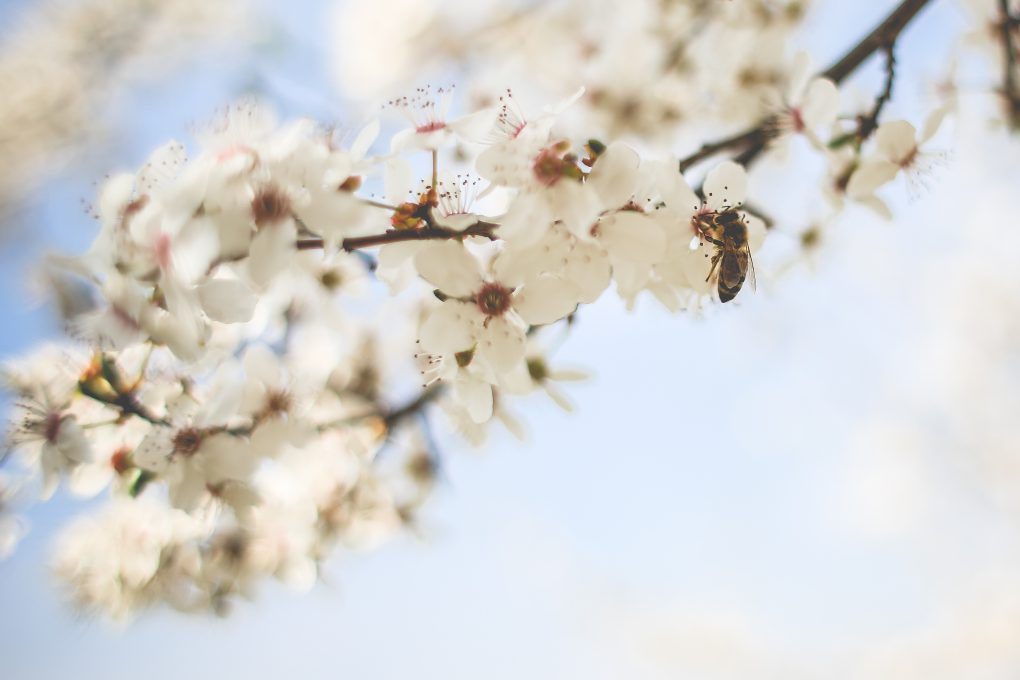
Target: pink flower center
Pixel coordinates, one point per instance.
(430, 127)
(548, 167)
(493, 299)
(187, 441)
(51, 427)
(162, 251)
(270, 206)
(797, 119)
(233, 151)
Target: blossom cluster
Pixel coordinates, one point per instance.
(55, 106)
(236, 386)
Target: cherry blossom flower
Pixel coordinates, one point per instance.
(430, 126)
(129, 556)
(195, 454)
(12, 527)
(811, 104)
(898, 148)
(487, 318)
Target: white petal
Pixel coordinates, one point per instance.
(71, 441)
(113, 196)
(397, 180)
(475, 126)
(50, 465)
(476, 396)
(501, 343)
(271, 251)
(675, 190)
(527, 219)
(261, 365)
(190, 491)
(588, 269)
(821, 103)
(227, 300)
(88, 480)
(363, 142)
(392, 255)
(614, 176)
(162, 167)
(338, 168)
(878, 206)
(896, 140)
(567, 102)
(448, 266)
(506, 163)
(195, 248)
(569, 375)
(545, 299)
(153, 453)
(574, 204)
(449, 328)
(696, 265)
(557, 395)
(226, 457)
(725, 185)
(756, 230)
(410, 139)
(932, 123)
(870, 175)
(226, 387)
(633, 237)
(799, 74)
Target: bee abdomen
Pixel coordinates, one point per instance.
(727, 293)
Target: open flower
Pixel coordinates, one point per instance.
(488, 317)
(898, 148)
(431, 127)
(811, 103)
(195, 454)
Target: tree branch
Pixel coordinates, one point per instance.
(427, 233)
(1009, 63)
(411, 408)
(867, 124)
(709, 149)
(755, 140)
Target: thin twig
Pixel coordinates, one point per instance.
(427, 233)
(867, 124)
(755, 140)
(395, 416)
(1009, 59)
(709, 149)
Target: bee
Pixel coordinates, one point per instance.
(727, 231)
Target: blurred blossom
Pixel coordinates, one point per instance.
(54, 105)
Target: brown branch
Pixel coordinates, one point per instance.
(710, 149)
(1009, 62)
(428, 395)
(427, 233)
(755, 140)
(886, 33)
(867, 124)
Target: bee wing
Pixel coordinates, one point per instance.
(750, 267)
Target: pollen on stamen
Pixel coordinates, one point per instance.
(425, 110)
(510, 121)
(430, 366)
(457, 197)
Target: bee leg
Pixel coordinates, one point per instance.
(715, 261)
